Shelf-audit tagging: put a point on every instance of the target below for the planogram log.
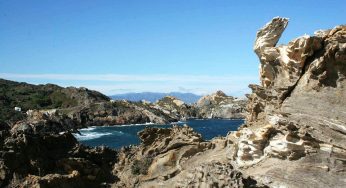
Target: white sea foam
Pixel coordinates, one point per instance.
(88, 129)
(89, 135)
(178, 122)
(139, 124)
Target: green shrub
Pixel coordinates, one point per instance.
(141, 166)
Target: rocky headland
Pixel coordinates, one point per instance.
(79, 106)
(294, 135)
(82, 107)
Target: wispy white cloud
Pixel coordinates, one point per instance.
(122, 83)
(128, 77)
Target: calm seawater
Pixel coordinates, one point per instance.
(118, 136)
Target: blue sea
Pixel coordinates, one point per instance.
(125, 135)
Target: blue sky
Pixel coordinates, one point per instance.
(123, 46)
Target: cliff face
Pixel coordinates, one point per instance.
(297, 115)
(295, 131)
(219, 105)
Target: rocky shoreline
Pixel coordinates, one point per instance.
(290, 138)
(80, 107)
(294, 135)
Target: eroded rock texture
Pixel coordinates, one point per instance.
(219, 105)
(298, 114)
(295, 131)
(33, 154)
(294, 136)
(178, 157)
(175, 108)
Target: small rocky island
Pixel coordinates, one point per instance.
(294, 135)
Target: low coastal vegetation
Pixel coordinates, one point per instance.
(87, 107)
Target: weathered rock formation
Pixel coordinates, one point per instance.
(294, 136)
(219, 105)
(177, 157)
(175, 108)
(295, 131)
(297, 118)
(33, 155)
(117, 113)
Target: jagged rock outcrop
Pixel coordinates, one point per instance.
(44, 122)
(219, 105)
(118, 113)
(32, 155)
(295, 129)
(297, 116)
(176, 108)
(177, 157)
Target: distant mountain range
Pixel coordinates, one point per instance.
(153, 96)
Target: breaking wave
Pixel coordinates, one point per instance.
(89, 135)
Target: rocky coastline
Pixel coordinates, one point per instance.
(81, 107)
(290, 138)
(294, 135)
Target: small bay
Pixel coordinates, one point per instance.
(125, 135)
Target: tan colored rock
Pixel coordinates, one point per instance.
(294, 133)
(219, 105)
(302, 98)
(175, 108)
(248, 146)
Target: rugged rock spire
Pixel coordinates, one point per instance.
(269, 35)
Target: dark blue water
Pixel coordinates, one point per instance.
(118, 136)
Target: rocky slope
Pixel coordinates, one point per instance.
(85, 107)
(34, 154)
(49, 96)
(295, 130)
(219, 105)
